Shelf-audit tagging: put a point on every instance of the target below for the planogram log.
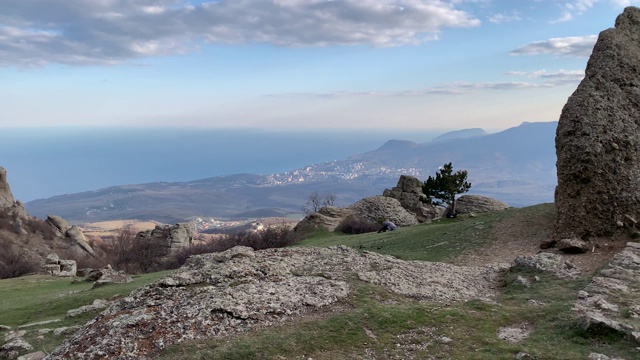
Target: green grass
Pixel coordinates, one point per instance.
(373, 322)
(442, 240)
(37, 298)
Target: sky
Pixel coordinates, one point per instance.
(294, 64)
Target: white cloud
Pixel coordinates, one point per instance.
(90, 32)
(549, 80)
(580, 46)
(504, 18)
(556, 78)
(574, 8)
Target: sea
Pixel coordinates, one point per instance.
(48, 161)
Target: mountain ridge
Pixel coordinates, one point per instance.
(516, 166)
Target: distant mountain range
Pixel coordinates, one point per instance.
(516, 166)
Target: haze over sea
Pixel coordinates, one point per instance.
(44, 162)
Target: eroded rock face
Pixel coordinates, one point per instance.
(611, 302)
(176, 236)
(72, 234)
(6, 197)
(597, 139)
(239, 290)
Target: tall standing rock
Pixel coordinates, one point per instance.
(6, 197)
(598, 138)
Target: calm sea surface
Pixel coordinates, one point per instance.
(44, 162)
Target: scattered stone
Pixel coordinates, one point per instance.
(514, 334)
(45, 322)
(549, 262)
(97, 304)
(5, 327)
(523, 355)
(14, 343)
(523, 280)
(109, 276)
(65, 330)
(535, 302)
(38, 355)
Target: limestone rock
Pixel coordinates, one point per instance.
(474, 204)
(108, 276)
(597, 140)
(175, 236)
(549, 262)
(611, 302)
(59, 224)
(6, 197)
(58, 267)
(236, 291)
(371, 209)
(409, 193)
(74, 237)
(375, 208)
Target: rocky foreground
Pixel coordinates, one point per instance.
(241, 289)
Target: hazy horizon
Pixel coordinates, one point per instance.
(46, 162)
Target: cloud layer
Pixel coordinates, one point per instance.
(107, 32)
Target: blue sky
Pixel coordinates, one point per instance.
(303, 64)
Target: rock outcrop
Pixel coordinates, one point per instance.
(6, 197)
(232, 292)
(376, 208)
(71, 234)
(371, 209)
(176, 236)
(7, 202)
(475, 204)
(409, 193)
(59, 267)
(611, 302)
(597, 139)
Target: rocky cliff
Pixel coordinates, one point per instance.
(597, 139)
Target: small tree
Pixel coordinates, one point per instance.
(315, 202)
(445, 186)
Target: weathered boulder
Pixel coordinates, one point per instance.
(107, 275)
(175, 236)
(58, 267)
(328, 217)
(409, 193)
(597, 140)
(239, 290)
(58, 224)
(376, 208)
(74, 237)
(474, 204)
(372, 209)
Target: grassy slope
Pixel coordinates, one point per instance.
(373, 323)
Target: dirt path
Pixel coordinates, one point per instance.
(522, 235)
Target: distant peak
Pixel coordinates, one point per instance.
(460, 134)
(397, 144)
